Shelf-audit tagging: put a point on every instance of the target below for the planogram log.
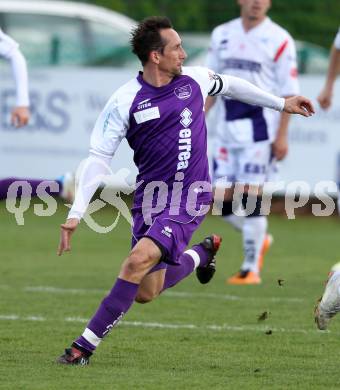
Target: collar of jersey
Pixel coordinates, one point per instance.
(147, 85)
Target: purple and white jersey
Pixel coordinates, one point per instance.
(337, 40)
(265, 56)
(165, 127)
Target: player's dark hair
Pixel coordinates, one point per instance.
(146, 37)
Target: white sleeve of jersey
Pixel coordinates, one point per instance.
(337, 40)
(92, 173)
(110, 128)
(286, 68)
(214, 84)
(9, 50)
(239, 89)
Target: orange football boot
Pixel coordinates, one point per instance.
(244, 277)
(267, 242)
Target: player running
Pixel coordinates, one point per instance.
(249, 138)
(161, 114)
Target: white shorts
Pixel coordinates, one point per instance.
(245, 164)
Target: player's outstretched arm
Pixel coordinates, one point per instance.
(239, 89)
(66, 231)
(299, 105)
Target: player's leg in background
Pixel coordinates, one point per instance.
(224, 168)
(252, 167)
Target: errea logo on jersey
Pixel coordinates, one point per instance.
(184, 141)
(186, 117)
(144, 104)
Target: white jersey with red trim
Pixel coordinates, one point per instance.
(337, 40)
(264, 56)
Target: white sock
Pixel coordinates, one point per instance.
(254, 231)
(338, 203)
(236, 221)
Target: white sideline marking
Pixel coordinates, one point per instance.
(14, 317)
(157, 325)
(225, 297)
(58, 290)
(169, 294)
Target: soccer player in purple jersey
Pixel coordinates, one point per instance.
(161, 114)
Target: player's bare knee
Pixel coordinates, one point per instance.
(137, 261)
(145, 296)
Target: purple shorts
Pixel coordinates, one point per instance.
(171, 234)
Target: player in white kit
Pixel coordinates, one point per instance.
(9, 50)
(248, 138)
(329, 305)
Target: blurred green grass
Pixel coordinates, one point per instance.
(237, 353)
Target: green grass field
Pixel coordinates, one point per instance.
(193, 337)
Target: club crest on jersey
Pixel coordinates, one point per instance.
(183, 92)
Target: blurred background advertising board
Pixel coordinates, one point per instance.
(66, 102)
(314, 143)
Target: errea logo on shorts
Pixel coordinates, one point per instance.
(167, 231)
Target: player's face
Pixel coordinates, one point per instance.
(254, 9)
(173, 55)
